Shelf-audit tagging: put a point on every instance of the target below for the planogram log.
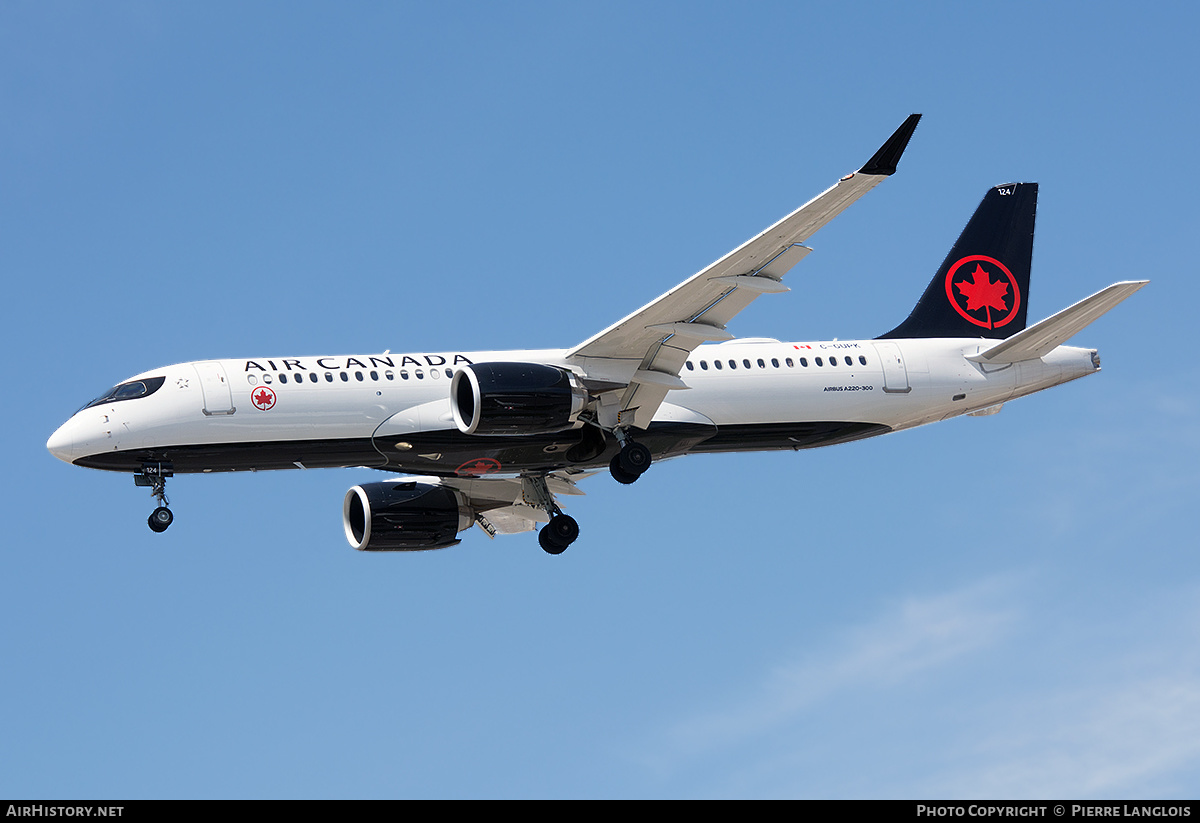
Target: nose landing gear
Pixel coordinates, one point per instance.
(155, 476)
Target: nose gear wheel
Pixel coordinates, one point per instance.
(160, 518)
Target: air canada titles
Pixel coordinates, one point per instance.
(395, 361)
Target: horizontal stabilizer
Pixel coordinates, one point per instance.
(1042, 338)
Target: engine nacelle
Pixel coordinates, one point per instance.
(403, 516)
(515, 398)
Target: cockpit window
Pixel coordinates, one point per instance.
(129, 391)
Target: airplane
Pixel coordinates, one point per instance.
(493, 439)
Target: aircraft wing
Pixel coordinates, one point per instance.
(643, 353)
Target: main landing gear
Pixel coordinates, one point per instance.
(627, 466)
(155, 476)
(559, 533)
(562, 530)
(631, 462)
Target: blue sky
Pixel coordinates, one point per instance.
(989, 607)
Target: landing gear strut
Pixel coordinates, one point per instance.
(155, 476)
(562, 530)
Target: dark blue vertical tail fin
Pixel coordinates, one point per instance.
(982, 288)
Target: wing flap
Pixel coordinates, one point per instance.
(512, 519)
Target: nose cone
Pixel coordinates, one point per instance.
(64, 443)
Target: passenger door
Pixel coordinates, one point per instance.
(218, 398)
(895, 375)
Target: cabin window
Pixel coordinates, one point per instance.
(345, 377)
(775, 362)
(849, 362)
(449, 372)
(388, 374)
(733, 364)
(374, 375)
(420, 374)
(690, 367)
(717, 363)
(804, 362)
(862, 360)
(789, 362)
(703, 365)
(761, 364)
(283, 378)
(817, 360)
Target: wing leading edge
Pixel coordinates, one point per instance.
(645, 351)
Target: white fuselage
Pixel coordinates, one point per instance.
(382, 409)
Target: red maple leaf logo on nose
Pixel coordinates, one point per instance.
(981, 292)
(263, 398)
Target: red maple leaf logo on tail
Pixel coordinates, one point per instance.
(982, 292)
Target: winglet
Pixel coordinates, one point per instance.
(885, 160)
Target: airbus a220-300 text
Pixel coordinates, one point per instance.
(494, 439)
